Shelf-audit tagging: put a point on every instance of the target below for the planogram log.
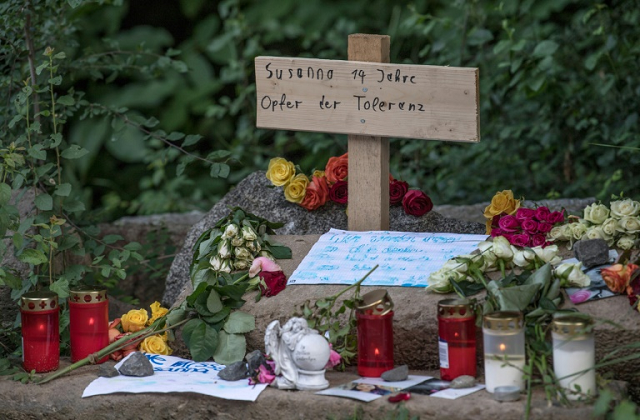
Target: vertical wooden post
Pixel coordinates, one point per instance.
(368, 156)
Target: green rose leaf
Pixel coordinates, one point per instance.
(44, 202)
(188, 329)
(175, 316)
(74, 152)
(214, 304)
(33, 256)
(214, 319)
(240, 323)
(203, 342)
(280, 252)
(231, 348)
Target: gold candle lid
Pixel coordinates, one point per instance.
(376, 301)
(455, 308)
(508, 321)
(39, 301)
(87, 295)
(572, 325)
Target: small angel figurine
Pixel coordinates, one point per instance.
(300, 354)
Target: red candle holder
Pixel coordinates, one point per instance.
(456, 338)
(375, 334)
(88, 322)
(39, 314)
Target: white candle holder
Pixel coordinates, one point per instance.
(574, 355)
(504, 350)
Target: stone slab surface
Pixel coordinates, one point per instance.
(61, 400)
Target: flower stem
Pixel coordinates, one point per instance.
(358, 283)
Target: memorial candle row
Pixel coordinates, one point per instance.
(40, 315)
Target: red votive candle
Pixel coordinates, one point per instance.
(375, 334)
(39, 314)
(456, 338)
(88, 322)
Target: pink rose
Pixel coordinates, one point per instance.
(544, 227)
(497, 232)
(397, 190)
(317, 194)
(274, 283)
(264, 376)
(538, 240)
(556, 217)
(542, 214)
(334, 359)
(521, 239)
(508, 223)
(530, 226)
(416, 203)
(262, 264)
(524, 213)
(339, 192)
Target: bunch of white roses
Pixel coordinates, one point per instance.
(237, 248)
(499, 254)
(617, 224)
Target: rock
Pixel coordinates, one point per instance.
(592, 252)
(108, 371)
(254, 360)
(396, 374)
(464, 381)
(255, 196)
(136, 365)
(234, 371)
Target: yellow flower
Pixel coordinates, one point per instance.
(134, 320)
(296, 189)
(502, 202)
(156, 345)
(318, 173)
(280, 171)
(157, 311)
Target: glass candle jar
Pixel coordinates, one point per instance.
(456, 338)
(88, 322)
(504, 351)
(39, 314)
(574, 352)
(374, 315)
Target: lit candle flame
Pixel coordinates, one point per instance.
(90, 321)
(376, 352)
(502, 347)
(41, 327)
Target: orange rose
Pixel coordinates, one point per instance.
(617, 276)
(317, 194)
(337, 168)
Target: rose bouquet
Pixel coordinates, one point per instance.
(331, 184)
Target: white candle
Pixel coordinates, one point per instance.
(571, 357)
(495, 374)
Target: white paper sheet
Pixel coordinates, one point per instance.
(404, 258)
(173, 374)
(369, 389)
(452, 394)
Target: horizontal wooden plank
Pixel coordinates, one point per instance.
(375, 99)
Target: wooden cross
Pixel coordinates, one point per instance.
(370, 100)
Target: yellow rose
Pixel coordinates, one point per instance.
(157, 311)
(156, 345)
(502, 202)
(280, 171)
(318, 173)
(134, 320)
(296, 189)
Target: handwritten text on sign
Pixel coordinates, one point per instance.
(374, 99)
(403, 258)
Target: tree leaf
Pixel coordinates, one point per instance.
(231, 348)
(74, 152)
(63, 190)
(240, 323)
(61, 288)
(44, 202)
(66, 100)
(5, 194)
(545, 48)
(33, 256)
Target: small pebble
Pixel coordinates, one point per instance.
(397, 374)
(108, 371)
(464, 381)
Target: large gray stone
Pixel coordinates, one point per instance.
(592, 252)
(255, 196)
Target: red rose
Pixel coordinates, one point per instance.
(274, 283)
(339, 192)
(416, 203)
(316, 195)
(337, 168)
(397, 190)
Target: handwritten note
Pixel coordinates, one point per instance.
(404, 258)
(173, 374)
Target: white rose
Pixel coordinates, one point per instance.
(248, 234)
(626, 207)
(573, 274)
(230, 231)
(578, 230)
(226, 266)
(488, 257)
(629, 224)
(610, 226)
(243, 253)
(439, 281)
(596, 213)
(523, 258)
(242, 264)
(595, 232)
(502, 248)
(215, 262)
(253, 246)
(224, 248)
(557, 233)
(548, 254)
(453, 265)
(626, 242)
(237, 241)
